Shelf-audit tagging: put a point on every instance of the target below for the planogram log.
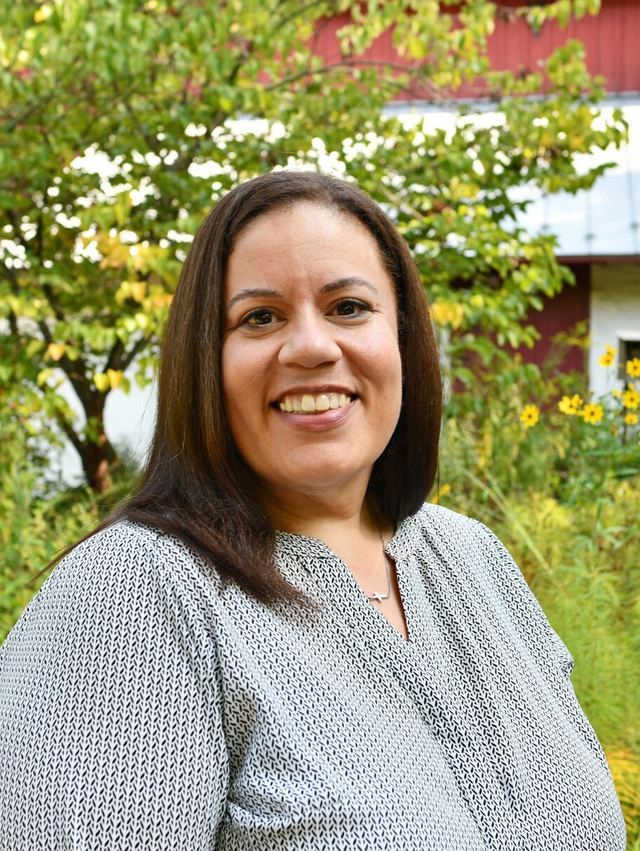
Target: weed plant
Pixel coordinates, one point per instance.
(562, 490)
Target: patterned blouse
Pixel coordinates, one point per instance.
(143, 707)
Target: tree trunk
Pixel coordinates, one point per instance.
(96, 452)
(97, 459)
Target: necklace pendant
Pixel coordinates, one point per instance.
(377, 597)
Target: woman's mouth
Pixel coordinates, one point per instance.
(310, 404)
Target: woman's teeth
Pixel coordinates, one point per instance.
(309, 404)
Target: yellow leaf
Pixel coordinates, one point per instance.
(142, 320)
(123, 292)
(115, 377)
(162, 300)
(102, 382)
(447, 313)
(55, 351)
(43, 376)
(116, 255)
(138, 290)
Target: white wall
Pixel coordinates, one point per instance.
(614, 311)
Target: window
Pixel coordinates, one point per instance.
(628, 349)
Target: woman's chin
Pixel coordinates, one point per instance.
(317, 480)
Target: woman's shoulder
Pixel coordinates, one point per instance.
(463, 552)
(436, 521)
(117, 543)
(122, 569)
(129, 546)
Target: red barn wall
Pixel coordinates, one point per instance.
(561, 314)
(610, 38)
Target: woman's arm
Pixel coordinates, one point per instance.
(110, 719)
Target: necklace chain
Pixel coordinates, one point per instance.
(377, 597)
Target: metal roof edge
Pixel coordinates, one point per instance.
(578, 259)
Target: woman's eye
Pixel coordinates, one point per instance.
(259, 317)
(351, 307)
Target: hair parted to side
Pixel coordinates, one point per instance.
(196, 486)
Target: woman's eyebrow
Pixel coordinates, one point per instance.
(257, 292)
(352, 281)
(266, 292)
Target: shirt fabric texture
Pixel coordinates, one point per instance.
(146, 705)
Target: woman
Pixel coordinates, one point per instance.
(374, 674)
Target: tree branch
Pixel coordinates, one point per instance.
(357, 62)
(301, 10)
(72, 435)
(114, 361)
(53, 302)
(13, 324)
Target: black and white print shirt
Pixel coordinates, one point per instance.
(143, 707)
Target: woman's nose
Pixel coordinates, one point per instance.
(309, 342)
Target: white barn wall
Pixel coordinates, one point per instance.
(614, 310)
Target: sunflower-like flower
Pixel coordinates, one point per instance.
(530, 415)
(631, 397)
(633, 368)
(570, 405)
(631, 419)
(592, 413)
(608, 357)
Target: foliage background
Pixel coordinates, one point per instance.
(111, 156)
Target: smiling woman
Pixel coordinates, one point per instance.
(310, 361)
(275, 643)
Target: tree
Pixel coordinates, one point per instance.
(122, 122)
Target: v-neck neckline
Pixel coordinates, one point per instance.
(342, 591)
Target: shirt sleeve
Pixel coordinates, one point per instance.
(110, 716)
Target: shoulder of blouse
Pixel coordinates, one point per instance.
(121, 568)
(479, 557)
(128, 546)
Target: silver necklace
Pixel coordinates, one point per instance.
(376, 596)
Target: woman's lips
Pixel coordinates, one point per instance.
(308, 403)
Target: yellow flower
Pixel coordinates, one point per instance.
(631, 398)
(633, 368)
(608, 357)
(570, 405)
(592, 413)
(530, 415)
(631, 419)
(616, 393)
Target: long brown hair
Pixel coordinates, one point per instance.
(196, 486)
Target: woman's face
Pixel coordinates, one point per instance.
(310, 359)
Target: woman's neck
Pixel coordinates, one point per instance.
(344, 525)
